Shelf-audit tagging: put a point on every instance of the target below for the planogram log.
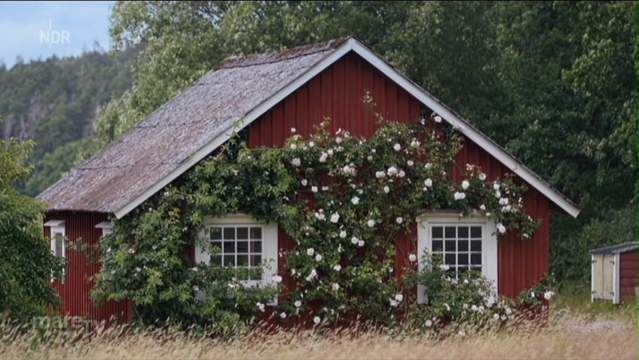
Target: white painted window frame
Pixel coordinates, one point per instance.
(57, 227)
(489, 259)
(106, 227)
(270, 244)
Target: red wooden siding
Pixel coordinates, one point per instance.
(629, 275)
(75, 291)
(337, 93)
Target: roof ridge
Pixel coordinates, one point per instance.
(231, 62)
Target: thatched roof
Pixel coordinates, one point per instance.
(158, 144)
(194, 123)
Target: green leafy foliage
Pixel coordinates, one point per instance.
(26, 262)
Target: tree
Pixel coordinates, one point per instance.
(26, 261)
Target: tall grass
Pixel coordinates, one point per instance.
(568, 335)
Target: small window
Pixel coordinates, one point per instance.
(241, 242)
(239, 246)
(57, 239)
(458, 246)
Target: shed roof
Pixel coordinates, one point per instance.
(616, 249)
(194, 123)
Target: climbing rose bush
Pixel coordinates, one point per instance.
(342, 199)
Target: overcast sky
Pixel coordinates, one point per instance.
(38, 30)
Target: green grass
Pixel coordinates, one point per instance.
(576, 298)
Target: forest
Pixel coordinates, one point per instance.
(555, 83)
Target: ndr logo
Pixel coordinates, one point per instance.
(54, 36)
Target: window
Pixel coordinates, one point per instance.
(57, 239)
(242, 242)
(467, 244)
(237, 245)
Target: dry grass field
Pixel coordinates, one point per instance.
(592, 332)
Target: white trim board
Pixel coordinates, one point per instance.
(420, 94)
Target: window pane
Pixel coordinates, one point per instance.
(242, 247)
(242, 260)
(216, 233)
(256, 260)
(58, 245)
(217, 246)
(475, 245)
(461, 269)
(450, 232)
(475, 259)
(450, 245)
(229, 233)
(438, 232)
(229, 260)
(216, 259)
(475, 232)
(450, 259)
(462, 259)
(438, 245)
(229, 247)
(462, 245)
(256, 233)
(462, 232)
(242, 233)
(256, 247)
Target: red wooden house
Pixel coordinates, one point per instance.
(272, 93)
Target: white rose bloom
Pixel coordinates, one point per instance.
(310, 251)
(414, 143)
(444, 267)
(318, 257)
(261, 306)
(459, 195)
(465, 184)
(317, 320)
(399, 220)
(393, 303)
(297, 303)
(338, 140)
(361, 243)
(324, 188)
(277, 279)
(335, 286)
(283, 315)
(323, 157)
(482, 207)
(428, 166)
(496, 317)
(314, 189)
(371, 223)
(335, 218)
(392, 171)
(355, 200)
(337, 267)
(312, 275)
(293, 147)
(330, 152)
(342, 234)
(369, 158)
(482, 176)
(380, 174)
(428, 182)
(412, 257)
(496, 186)
(532, 294)
(474, 308)
(401, 174)
(503, 201)
(410, 163)
(397, 147)
(386, 189)
(399, 297)
(438, 119)
(548, 295)
(501, 228)
(304, 182)
(354, 240)
(428, 323)
(498, 194)
(508, 311)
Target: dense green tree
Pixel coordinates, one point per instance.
(26, 261)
